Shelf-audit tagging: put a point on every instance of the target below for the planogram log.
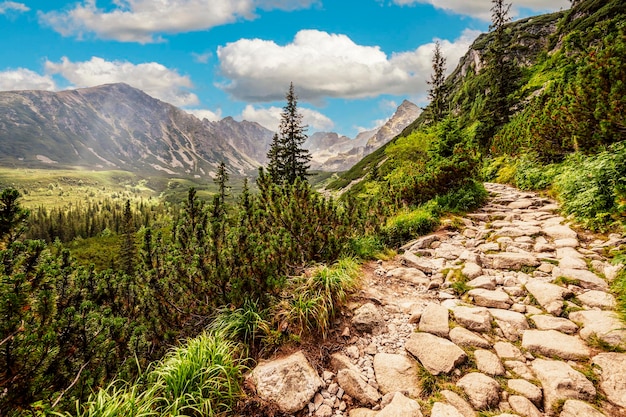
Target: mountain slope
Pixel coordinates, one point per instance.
(114, 126)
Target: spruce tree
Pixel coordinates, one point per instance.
(437, 92)
(128, 250)
(287, 159)
(500, 66)
(13, 217)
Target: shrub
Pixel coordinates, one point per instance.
(530, 175)
(466, 198)
(410, 224)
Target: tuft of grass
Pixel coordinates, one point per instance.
(247, 324)
(410, 224)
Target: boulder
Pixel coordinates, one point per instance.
(401, 406)
(485, 282)
(523, 406)
(576, 408)
(552, 343)
(487, 298)
(513, 261)
(463, 337)
(436, 354)
(506, 350)
(549, 296)
(411, 275)
(288, 382)
(339, 361)
(473, 318)
(557, 232)
(584, 278)
(612, 376)
(546, 322)
(561, 382)
(520, 368)
(597, 299)
(472, 270)
(368, 319)
(355, 386)
(527, 389)
(482, 391)
(488, 362)
(397, 373)
(605, 325)
(511, 323)
(435, 320)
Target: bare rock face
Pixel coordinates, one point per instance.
(437, 355)
(368, 319)
(356, 387)
(396, 373)
(612, 376)
(288, 382)
(483, 391)
(401, 406)
(561, 382)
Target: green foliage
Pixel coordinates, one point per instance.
(12, 215)
(409, 224)
(530, 175)
(365, 247)
(468, 197)
(593, 188)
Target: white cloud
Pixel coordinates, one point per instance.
(11, 6)
(328, 65)
(153, 78)
(270, 117)
(25, 79)
(206, 114)
(482, 8)
(142, 20)
(202, 58)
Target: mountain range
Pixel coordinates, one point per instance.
(116, 126)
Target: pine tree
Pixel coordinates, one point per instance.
(437, 92)
(501, 68)
(128, 250)
(12, 216)
(287, 159)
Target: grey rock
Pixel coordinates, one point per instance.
(459, 403)
(473, 318)
(484, 282)
(482, 391)
(577, 408)
(549, 296)
(513, 261)
(612, 376)
(487, 298)
(471, 270)
(463, 337)
(559, 232)
(288, 382)
(527, 389)
(545, 322)
(506, 350)
(605, 325)
(436, 354)
(397, 373)
(368, 319)
(435, 320)
(401, 406)
(597, 299)
(444, 410)
(585, 279)
(488, 362)
(520, 368)
(523, 406)
(355, 386)
(511, 323)
(553, 343)
(561, 382)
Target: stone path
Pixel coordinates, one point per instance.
(509, 315)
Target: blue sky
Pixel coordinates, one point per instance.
(352, 61)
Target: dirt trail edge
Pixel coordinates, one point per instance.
(508, 314)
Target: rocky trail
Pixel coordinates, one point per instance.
(507, 314)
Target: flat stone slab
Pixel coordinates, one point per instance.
(511, 323)
(463, 337)
(553, 343)
(444, 410)
(549, 296)
(506, 350)
(523, 406)
(412, 275)
(546, 322)
(561, 382)
(527, 389)
(289, 382)
(612, 376)
(597, 299)
(488, 362)
(459, 403)
(604, 325)
(577, 408)
(584, 278)
(487, 298)
(473, 318)
(559, 232)
(401, 406)
(355, 386)
(427, 265)
(514, 261)
(436, 354)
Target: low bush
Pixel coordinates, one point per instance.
(409, 224)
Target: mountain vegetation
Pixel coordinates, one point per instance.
(196, 291)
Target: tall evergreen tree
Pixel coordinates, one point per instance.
(500, 66)
(12, 216)
(287, 159)
(437, 92)
(128, 250)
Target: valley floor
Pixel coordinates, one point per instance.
(510, 314)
